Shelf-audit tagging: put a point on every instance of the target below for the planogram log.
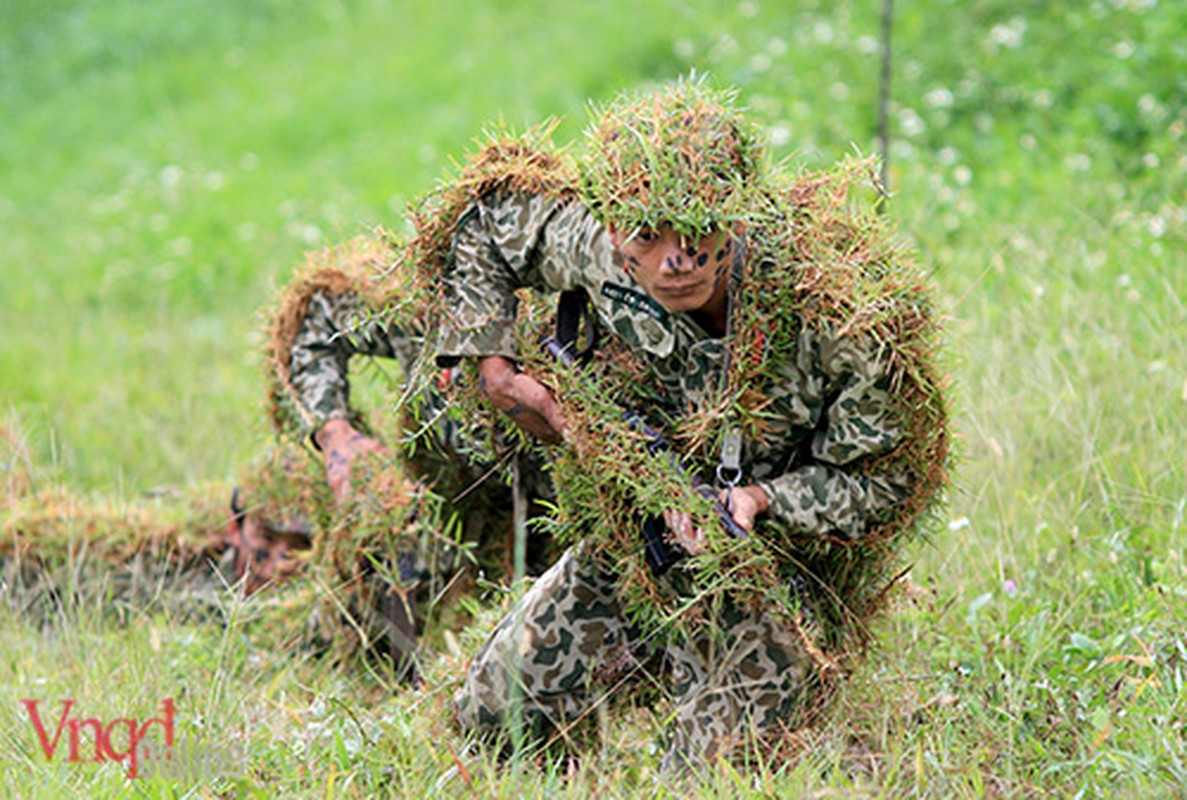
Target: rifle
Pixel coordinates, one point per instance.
(660, 554)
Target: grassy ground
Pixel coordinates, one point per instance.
(164, 165)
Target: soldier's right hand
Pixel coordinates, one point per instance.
(521, 397)
(341, 446)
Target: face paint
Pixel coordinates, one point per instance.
(681, 275)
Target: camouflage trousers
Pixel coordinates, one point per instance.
(746, 677)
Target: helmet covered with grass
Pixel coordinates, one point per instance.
(682, 155)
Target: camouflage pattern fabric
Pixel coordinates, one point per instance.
(831, 403)
(335, 328)
(568, 647)
(748, 675)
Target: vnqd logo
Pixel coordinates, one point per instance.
(122, 739)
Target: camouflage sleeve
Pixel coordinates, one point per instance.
(327, 313)
(335, 327)
(503, 243)
(832, 491)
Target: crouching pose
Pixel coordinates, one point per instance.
(398, 526)
(782, 347)
(734, 465)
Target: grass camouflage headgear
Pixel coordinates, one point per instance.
(683, 155)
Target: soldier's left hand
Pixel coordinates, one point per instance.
(745, 503)
(684, 533)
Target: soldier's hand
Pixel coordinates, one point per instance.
(684, 533)
(341, 446)
(744, 504)
(521, 397)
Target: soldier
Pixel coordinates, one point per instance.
(664, 227)
(333, 312)
(673, 209)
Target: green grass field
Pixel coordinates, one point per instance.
(164, 166)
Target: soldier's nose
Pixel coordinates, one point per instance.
(675, 261)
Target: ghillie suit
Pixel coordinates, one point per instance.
(827, 377)
(321, 578)
(359, 576)
(825, 393)
(447, 493)
(60, 550)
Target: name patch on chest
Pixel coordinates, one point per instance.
(635, 300)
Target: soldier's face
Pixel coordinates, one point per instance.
(681, 274)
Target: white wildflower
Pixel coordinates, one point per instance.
(938, 98)
(779, 134)
(171, 176)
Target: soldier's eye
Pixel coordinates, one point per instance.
(646, 235)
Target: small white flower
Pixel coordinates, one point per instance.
(912, 123)
(939, 98)
(171, 176)
(1008, 35)
(181, 247)
(779, 134)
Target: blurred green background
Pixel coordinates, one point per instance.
(164, 165)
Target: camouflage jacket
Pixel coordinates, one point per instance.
(830, 407)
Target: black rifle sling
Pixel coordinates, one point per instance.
(572, 308)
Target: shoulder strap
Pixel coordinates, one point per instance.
(572, 309)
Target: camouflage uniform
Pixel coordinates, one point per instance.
(830, 404)
(338, 326)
